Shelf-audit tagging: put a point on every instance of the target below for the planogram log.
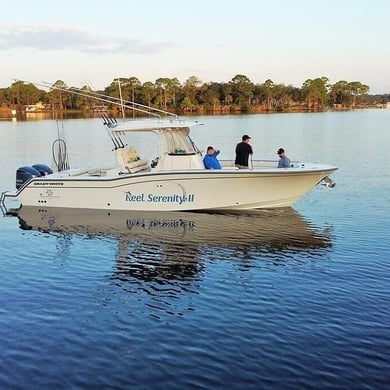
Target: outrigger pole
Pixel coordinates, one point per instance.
(109, 122)
(152, 111)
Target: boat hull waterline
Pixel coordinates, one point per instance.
(174, 190)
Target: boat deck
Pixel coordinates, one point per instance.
(96, 172)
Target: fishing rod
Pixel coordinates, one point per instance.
(109, 123)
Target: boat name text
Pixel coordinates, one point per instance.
(174, 198)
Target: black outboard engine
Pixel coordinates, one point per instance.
(44, 170)
(24, 174)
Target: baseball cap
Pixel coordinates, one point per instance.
(245, 136)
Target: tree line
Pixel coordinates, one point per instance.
(239, 95)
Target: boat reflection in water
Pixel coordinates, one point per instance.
(176, 245)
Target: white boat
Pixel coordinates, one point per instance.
(175, 180)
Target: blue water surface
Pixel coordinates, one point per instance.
(295, 298)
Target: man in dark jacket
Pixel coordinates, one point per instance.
(243, 150)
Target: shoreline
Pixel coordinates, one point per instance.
(9, 113)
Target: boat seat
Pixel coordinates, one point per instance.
(137, 166)
(127, 155)
(129, 160)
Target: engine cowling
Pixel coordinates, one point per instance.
(24, 174)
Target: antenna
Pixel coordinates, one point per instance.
(120, 97)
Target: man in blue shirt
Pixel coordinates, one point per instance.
(284, 161)
(210, 159)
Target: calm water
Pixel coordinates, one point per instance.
(293, 298)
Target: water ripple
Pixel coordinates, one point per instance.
(193, 300)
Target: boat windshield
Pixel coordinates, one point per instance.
(178, 142)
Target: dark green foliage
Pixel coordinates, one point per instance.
(240, 94)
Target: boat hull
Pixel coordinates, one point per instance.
(175, 190)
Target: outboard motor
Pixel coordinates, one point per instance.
(24, 174)
(44, 170)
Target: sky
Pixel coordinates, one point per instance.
(93, 42)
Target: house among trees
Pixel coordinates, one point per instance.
(35, 107)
